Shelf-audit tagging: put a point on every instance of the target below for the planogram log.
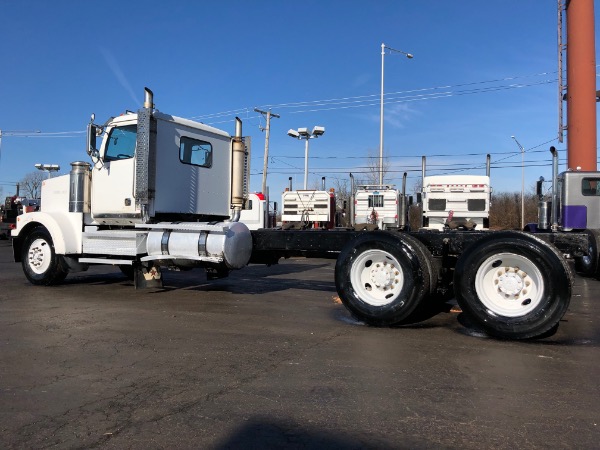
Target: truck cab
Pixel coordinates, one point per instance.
(456, 201)
(256, 214)
(160, 191)
(378, 205)
(308, 209)
(579, 200)
(183, 174)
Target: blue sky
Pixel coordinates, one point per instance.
(482, 71)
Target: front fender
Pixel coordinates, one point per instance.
(64, 228)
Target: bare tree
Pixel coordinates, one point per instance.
(505, 210)
(372, 174)
(31, 184)
(342, 192)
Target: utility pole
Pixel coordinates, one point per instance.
(268, 115)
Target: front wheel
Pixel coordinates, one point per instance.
(513, 285)
(41, 264)
(382, 278)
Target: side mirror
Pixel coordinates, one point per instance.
(410, 200)
(419, 198)
(91, 139)
(539, 189)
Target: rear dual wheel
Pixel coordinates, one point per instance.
(513, 285)
(383, 277)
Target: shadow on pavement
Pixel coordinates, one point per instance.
(268, 434)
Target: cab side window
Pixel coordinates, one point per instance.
(590, 186)
(121, 143)
(195, 152)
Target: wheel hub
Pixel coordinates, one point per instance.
(383, 275)
(511, 282)
(36, 257)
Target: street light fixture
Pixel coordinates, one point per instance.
(522, 182)
(303, 133)
(48, 168)
(409, 56)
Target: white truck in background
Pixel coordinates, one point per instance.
(456, 201)
(167, 192)
(379, 206)
(256, 213)
(308, 208)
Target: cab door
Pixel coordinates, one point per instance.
(113, 201)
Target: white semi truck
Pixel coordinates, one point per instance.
(380, 207)
(456, 201)
(308, 208)
(256, 213)
(160, 191)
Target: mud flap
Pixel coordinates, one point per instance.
(147, 277)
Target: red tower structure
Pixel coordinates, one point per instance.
(581, 85)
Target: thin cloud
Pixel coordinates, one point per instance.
(396, 115)
(118, 73)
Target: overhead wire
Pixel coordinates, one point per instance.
(373, 99)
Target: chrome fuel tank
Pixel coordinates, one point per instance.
(228, 243)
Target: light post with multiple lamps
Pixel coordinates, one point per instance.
(303, 133)
(409, 56)
(48, 168)
(522, 182)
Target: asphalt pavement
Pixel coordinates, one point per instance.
(269, 358)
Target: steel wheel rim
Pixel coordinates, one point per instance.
(377, 277)
(39, 256)
(509, 285)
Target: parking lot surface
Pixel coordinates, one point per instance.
(269, 358)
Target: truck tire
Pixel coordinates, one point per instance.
(587, 266)
(382, 277)
(41, 265)
(513, 285)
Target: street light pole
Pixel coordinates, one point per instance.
(409, 56)
(306, 163)
(381, 117)
(522, 182)
(303, 133)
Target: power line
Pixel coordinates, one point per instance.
(371, 99)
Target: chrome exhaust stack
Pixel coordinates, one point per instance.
(488, 165)
(403, 208)
(422, 189)
(148, 99)
(79, 179)
(351, 205)
(237, 171)
(554, 213)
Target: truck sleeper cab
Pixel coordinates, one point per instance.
(456, 200)
(378, 205)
